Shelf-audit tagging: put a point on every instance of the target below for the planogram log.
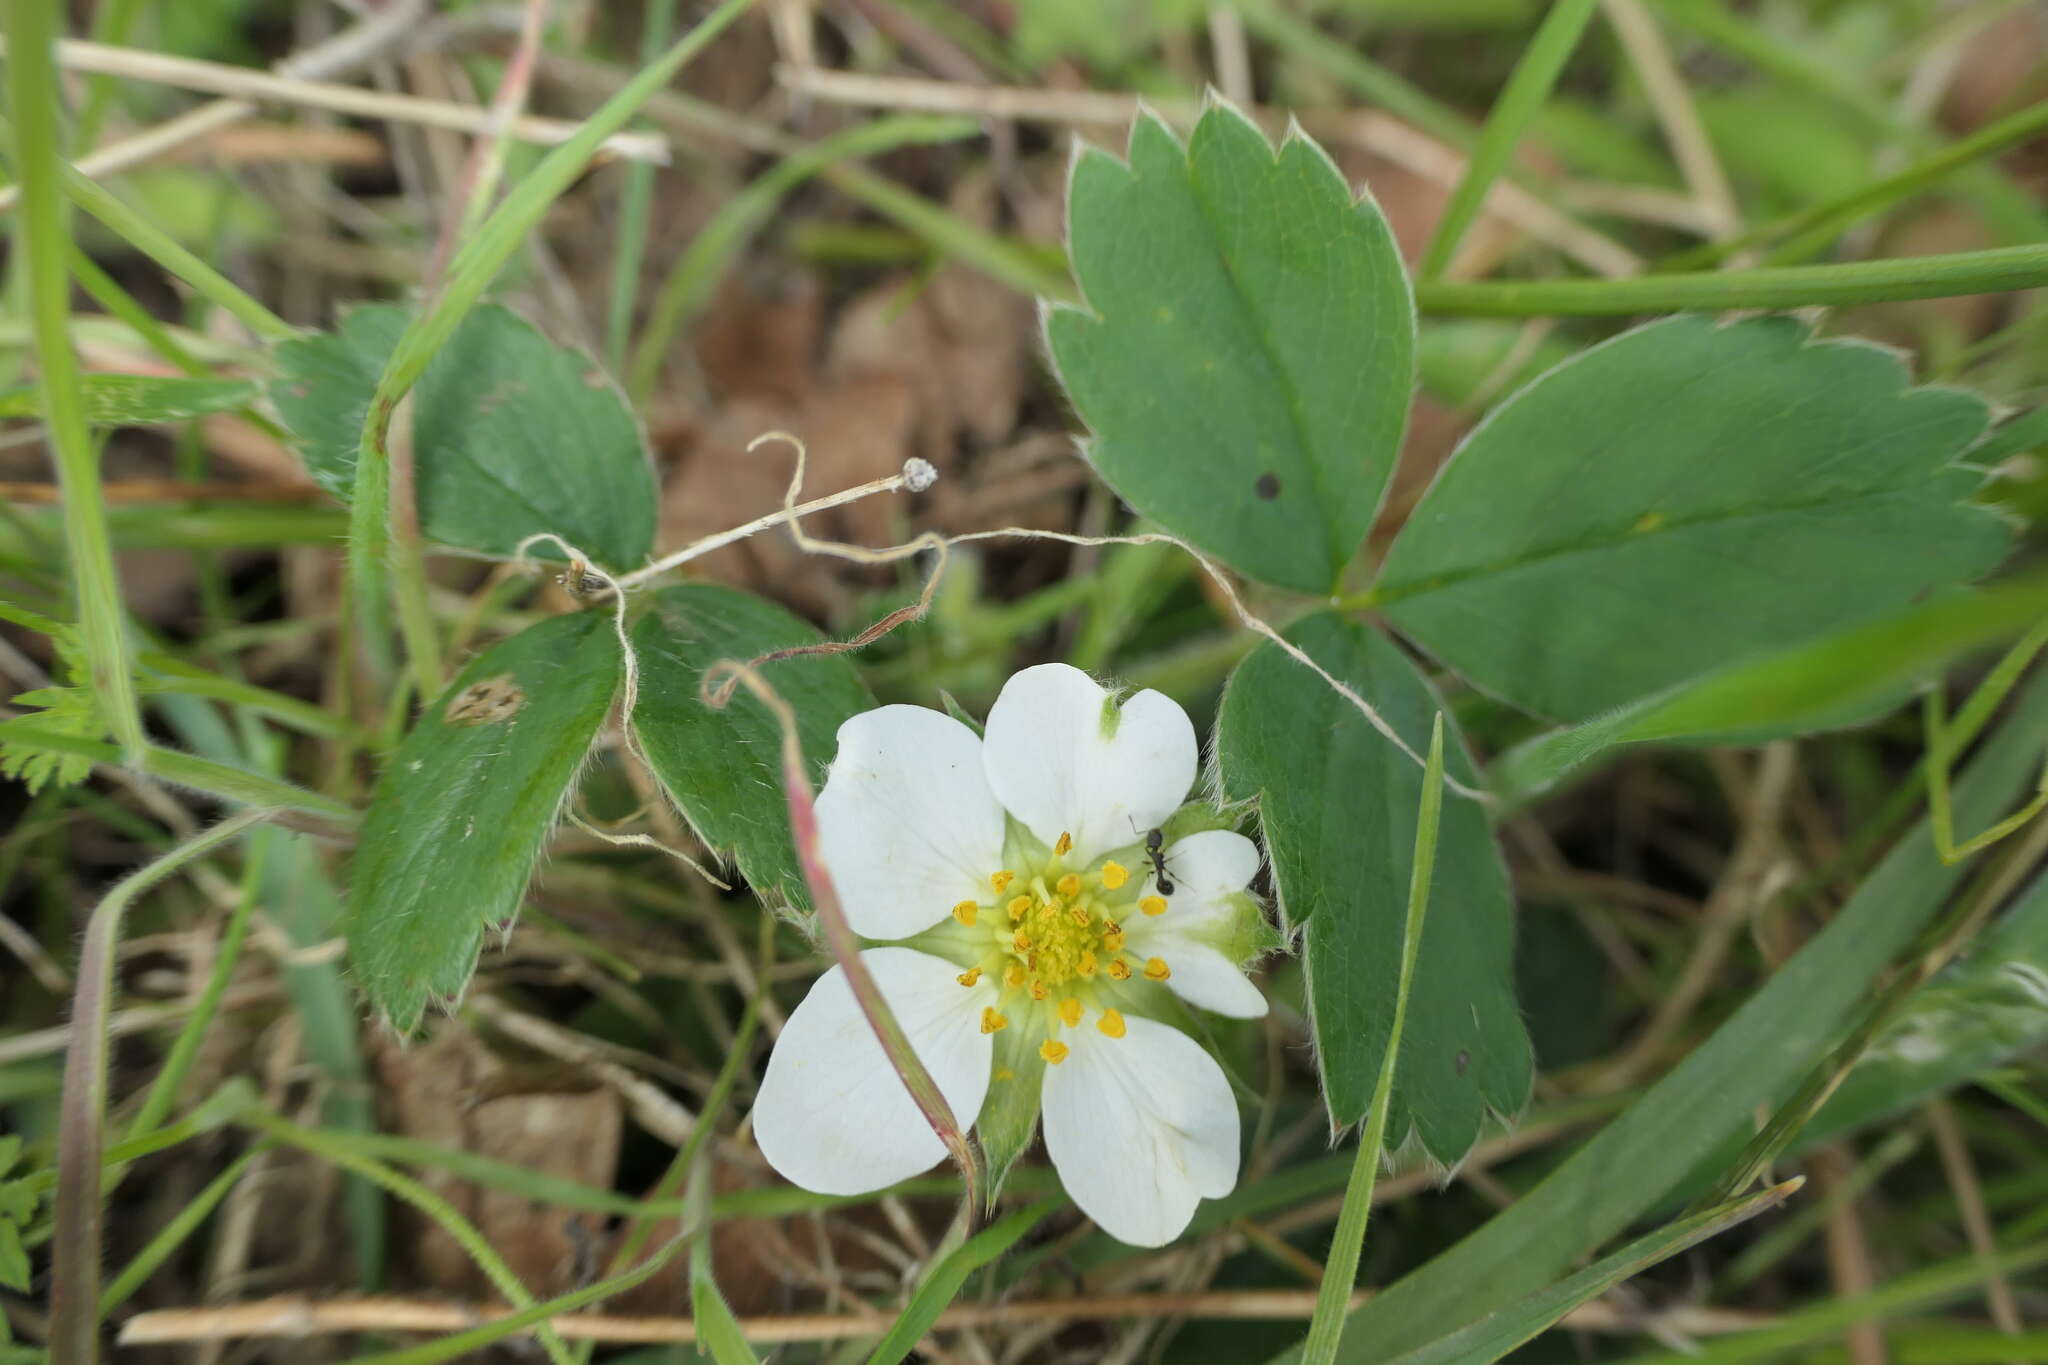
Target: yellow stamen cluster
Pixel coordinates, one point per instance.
(1057, 942)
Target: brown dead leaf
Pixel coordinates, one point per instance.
(1991, 78)
(759, 339)
(457, 1093)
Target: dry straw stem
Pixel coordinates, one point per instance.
(1676, 114)
(1756, 872)
(581, 565)
(940, 545)
(293, 1316)
(249, 84)
(1376, 132)
(345, 50)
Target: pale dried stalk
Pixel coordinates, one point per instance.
(1676, 114)
(1376, 132)
(338, 54)
(1755, 873)
(917, 476)
(1850, 1271)
(250, 84)
(1962, 1178)
(940, 545)
(293, 1316)
(651, 1107)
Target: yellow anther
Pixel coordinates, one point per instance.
(1021, 941)
(1080, 917)
(1039, 990)
(992, 1020)
(1112, 1024)
(1069, 885)
(1018, 905)
(1070, 1011)
(1063, 847)
(1153, 905)
(1001, 880)
(1086, 965)
(1013, 975)
(1120, 969)
(1113, 941)
(969, 977)
(1114, 875)
(1053, 1050)
(964, 912)
(1156, 969)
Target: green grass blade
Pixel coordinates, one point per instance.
(216, 779)
(1939, 1284)
(1995, 271)
(1821, 221)
(1340, 1271)
(1527, 90)
(1707, 1103)
(42, 244)
(718, 1331)
(636, 201)
(1494, 1336)
(1376, 83)
(464, 1343)
(444, 1214)
(77, 1215)
(175, 1233)
(943, 1281)
(476, 263)
(163, 1091)
(134, 227)
(480, 258)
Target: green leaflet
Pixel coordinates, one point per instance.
(140, 399)
(1338, 806)
(462, 807)
(1249, 356)
(512, 435)
(1682, 498)
(1709, 1099)
(722, 767)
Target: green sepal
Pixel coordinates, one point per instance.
(1009, 1116)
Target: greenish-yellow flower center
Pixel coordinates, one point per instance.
(1054, 944)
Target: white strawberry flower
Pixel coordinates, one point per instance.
(1042, 945)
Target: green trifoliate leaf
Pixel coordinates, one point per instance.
(723, 767)
(1685, 497)
(1247, 355)
(512, 435)
(1338, 804)
(460, 812)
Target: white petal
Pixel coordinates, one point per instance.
(1053, 767)
(1141, 1128)
(906, 822)
(1205, 868)
(1200, 975)
(832, 1115)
